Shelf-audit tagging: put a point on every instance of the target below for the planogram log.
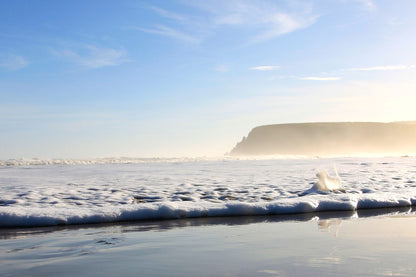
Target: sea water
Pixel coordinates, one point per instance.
(66, 192)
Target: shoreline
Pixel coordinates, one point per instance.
(167, 224)
(371, 243)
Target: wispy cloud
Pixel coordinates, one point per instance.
(382, 68)
(265, 18)
(93, 57)
(168, 14)
(257, 20)
(170, 32)
(265, 67)
(14, 62)
(280, 23)
(312, 78)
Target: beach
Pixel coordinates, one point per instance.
(368, 243)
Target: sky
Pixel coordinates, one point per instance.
(89, 79)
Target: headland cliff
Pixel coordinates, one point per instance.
(330, 139)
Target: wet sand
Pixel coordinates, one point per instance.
(363, 243)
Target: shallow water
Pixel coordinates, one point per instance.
(36, 193)
(367, 243)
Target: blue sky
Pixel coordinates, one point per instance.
(85, 79)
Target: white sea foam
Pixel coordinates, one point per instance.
(137, 160)
(110, 160)
(58, 193)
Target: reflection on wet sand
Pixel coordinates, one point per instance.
(361, 243)
(330, 226)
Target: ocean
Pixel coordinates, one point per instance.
(39, 193)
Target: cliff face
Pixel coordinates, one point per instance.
(335, 138)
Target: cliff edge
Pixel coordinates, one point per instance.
(330, 138)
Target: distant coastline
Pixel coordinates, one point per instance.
(329, 138)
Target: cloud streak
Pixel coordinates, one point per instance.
(312, 78)
(264, 18)
(257, 20)
(93, 57)
(265, 67)
(170, 32)
(280, 24)
(382, 68)
(14, 62)
(168, 14)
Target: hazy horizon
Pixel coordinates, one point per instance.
(302, 137)
(189, 78)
